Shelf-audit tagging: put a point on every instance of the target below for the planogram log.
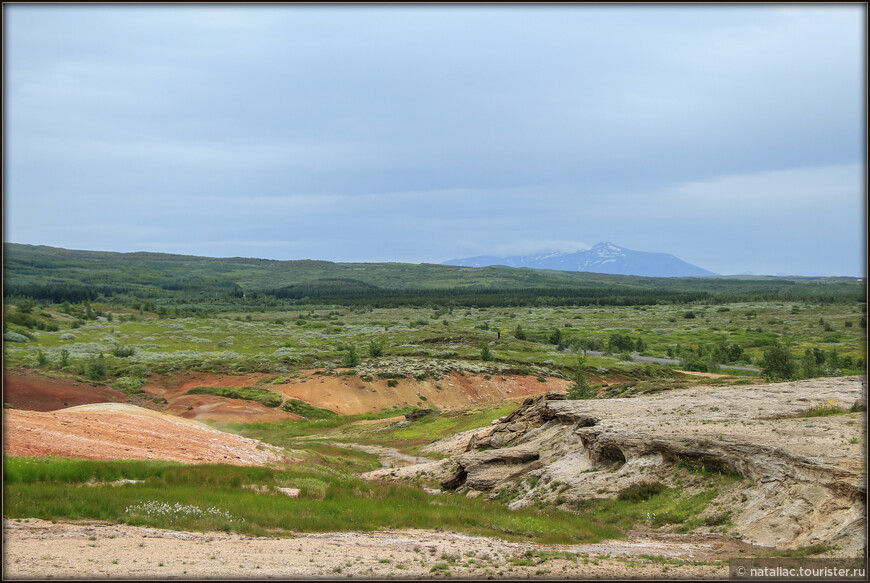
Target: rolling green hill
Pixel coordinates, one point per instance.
(55, 274)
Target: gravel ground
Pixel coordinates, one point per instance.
(37, 549)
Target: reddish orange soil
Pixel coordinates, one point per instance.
(343, 394)
(28, 390)
(349, 395)
(101, 430)
(213, 408)
(121, 431)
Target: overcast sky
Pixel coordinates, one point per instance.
(732, 137)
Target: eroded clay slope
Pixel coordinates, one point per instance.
(122, 431)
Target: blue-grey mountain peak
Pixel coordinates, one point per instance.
(601, 258)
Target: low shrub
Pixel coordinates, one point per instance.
(305, 410)
(130, 385)
(123, 351)
(641, 491)
(271, 400)
(264, 396)
(95, 369)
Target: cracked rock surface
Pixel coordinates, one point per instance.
(804, 476)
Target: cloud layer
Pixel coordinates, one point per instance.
(730, 136)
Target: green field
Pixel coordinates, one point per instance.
(282, 342)
(126, 319)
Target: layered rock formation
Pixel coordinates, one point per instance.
(803, 477)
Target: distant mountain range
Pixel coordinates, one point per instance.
(602, 258)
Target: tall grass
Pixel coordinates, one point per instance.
(29, 470)
(329, 501)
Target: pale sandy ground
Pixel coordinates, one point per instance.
(37, 549)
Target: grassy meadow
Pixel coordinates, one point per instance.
(285, 341)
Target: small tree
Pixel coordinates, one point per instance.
(519, 333)
(556, 337)
(376, 348)
(351, 359)
(581, 389)
(64, 357)
(485, 352)
(778, 363)
(809, 368)
(41, 359)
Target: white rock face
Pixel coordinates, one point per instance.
(804, 477)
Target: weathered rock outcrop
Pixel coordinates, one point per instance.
(804, 475)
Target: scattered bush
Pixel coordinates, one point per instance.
(95, 369)
(271, 400)
(130, 385)
(123, 351)
(641, 491)
(15, 337)
(67, 336)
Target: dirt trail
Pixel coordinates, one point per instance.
(389, 457)
(37, 548)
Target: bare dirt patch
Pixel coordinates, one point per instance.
(344, 394)
(121, 431)
(37, 548)
(703, 375)
(349, 394)
(34, 392)
(223, 410)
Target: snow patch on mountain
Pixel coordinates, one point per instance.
(601, 258)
